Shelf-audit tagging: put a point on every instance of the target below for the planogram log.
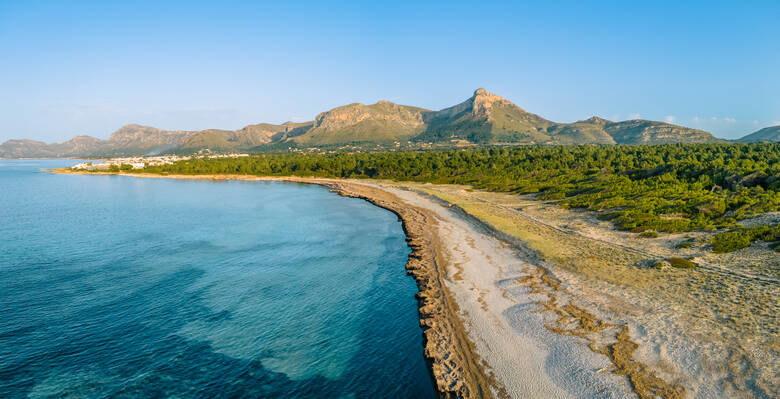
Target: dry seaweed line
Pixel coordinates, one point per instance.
(575, 321)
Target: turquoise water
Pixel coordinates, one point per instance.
(121, 287)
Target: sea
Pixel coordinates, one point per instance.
(122, 287)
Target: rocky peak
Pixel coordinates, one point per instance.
(84, 138)
(595, 120)
(133, 127)
(483, 102)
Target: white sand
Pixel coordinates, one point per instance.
(504, 321)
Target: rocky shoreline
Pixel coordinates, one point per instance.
(454, 365)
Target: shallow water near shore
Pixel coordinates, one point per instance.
(116, 286)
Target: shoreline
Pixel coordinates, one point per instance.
(468, 350)
(456, 368)
(454, 363)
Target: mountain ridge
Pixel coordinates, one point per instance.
(482, 119)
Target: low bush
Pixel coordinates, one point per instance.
(681, 263)
(731, 241)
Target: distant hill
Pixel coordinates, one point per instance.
(650, 132)
(588, 131)
(136, 139)
(355, 123)
(767, 134)
(482, 119)
(79, 145)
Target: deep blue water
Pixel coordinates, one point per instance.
(122, 287)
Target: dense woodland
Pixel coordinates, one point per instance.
(663, 188)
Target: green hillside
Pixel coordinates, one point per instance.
(765, 135)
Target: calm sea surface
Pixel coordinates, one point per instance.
(123, 287)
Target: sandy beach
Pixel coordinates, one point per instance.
(502, 318)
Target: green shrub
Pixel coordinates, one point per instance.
(684, 244)
(608, 216)
(731, 241)
(772, 235)
(712, 209)
(681, 263)
(649, 234)
(552, 195)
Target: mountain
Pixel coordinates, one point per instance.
(488, 118)
(136, 139)
(485, 118)
(650, 132)
(767, 134)
(25, 149)
(482, 119)
(79, 145)
(589, 131)
(354, 123)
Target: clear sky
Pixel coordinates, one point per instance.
(69, 68)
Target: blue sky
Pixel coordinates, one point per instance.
(69, 68)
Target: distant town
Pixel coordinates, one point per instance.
(142, 162)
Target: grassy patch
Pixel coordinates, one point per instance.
(681, 263)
